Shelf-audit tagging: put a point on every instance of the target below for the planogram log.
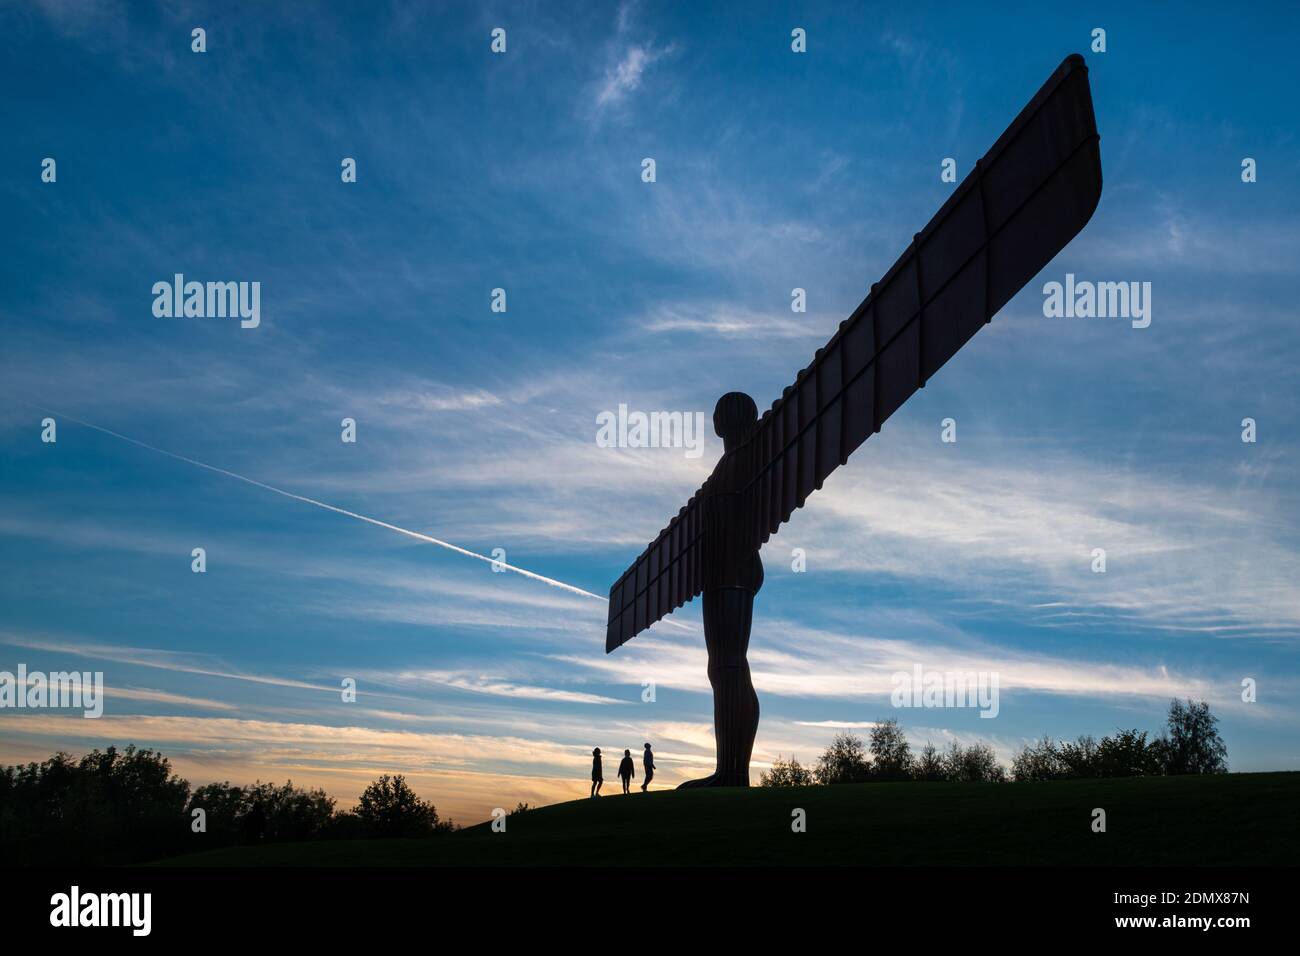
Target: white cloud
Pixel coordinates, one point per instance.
(439, 398)
(490, 685)
(794, 661)
(202, 665)
(1181, 555)
(625, 76)
(163, 697)
(733, 322)
(629, 60)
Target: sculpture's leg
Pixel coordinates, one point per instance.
(728, 615)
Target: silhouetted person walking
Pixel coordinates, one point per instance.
(597, 776)
(648, 761)
(626, 768)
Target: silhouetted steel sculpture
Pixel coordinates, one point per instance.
(1023, 202)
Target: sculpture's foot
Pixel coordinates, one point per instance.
(714, 780)
(709, 781)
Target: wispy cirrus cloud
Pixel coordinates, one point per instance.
(164, 697)
(492, 686)
(798, 662)
(629, 59)
(625, 75)
(440, 398)
(181, 662)
(1181, 554)
(731, 322)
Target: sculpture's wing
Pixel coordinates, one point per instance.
(665, 577)
(1022, 203)
(1029, 196)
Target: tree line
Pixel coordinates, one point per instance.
(112, 807)
(1190, 745)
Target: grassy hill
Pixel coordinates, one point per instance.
(1228, 819)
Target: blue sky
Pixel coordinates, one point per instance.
(522, 171)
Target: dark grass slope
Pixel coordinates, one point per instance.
(1240, 819)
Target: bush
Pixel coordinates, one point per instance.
(1127, 754)
(785, 773)
(1079, 759)
(1192, 746)
(974, 764)
(844, 761)
(1038, 761)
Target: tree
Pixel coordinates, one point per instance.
(1193, 745)
(1037, 762)
(844, 761)
(293, 813)
(262, 811)
(891, 758)
(223, 809)
(785, 773)
(111, 806)
(1078, 759)
(974, 764)
(390, 808)
(929, 765)
(1127, 754)
(140, 782)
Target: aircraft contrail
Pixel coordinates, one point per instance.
(342, 511)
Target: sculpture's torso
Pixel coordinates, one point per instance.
(729, 562)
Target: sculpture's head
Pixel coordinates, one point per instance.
(627, 753)
(733, 417)
(596, 752)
